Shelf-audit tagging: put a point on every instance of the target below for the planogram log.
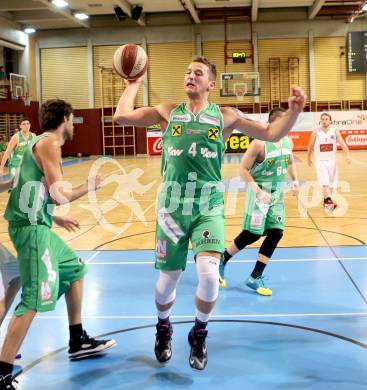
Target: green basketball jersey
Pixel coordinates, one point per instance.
(192, 153)
(30, 202)
(275, 165)
(16, 157)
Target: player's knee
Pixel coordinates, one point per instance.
(165, 290)
(273, 236)
(208, 275)
(245, 238)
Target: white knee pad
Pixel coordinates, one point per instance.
(208, 273)
(165, 289)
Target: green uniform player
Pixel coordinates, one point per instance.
(48, 267)
(16, 147)
(263, 167)
(190, 207)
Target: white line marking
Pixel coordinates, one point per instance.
(235, 261)
(219, 316)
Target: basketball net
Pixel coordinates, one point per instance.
(240, 91)
(240, 95)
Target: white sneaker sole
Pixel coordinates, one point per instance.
(91, 352)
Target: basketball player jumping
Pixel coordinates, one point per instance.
(263, 168)
(16, 147)
(48, 267)
(324, 143)
(190, 206)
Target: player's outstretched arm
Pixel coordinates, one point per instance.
(144, 116)
(9, 150)
(343, 145)
(48, 154)
(267, 132)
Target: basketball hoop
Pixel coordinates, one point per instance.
(240, 89)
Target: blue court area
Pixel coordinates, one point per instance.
(311, 334)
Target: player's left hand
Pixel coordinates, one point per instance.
(68, 223)
(295, 188)
(297, 100)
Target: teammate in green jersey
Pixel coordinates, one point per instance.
(190, 206)
(9, 271)
(263, 167)
(48, 267)
(16, 147)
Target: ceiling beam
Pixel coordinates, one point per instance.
(126, 7)
(189, 5)
(20, 5)
(66, 12)
(254, 10)
(31, 16)
(315, 8)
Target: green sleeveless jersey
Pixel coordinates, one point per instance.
(30, 202)
(275, 165)
(192, 153)
(16, 157)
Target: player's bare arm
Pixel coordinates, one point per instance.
(310, 148)
(267, 132)
(126, 115)
(48, 155)
(292, 172)
(9, 150)
(343, 145)
(254, 153)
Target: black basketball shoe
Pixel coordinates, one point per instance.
(162, 348)
(198, 354)
(8, 383)
(85, 346)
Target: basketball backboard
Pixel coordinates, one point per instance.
(240, 84)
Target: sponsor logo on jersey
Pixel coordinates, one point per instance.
(206, 239)
(206, 234)
(270, 162)
(209, 119)
(213, 133)
(181, 118)
(287, 159)
(176, 130)
(266, 173)
(174, 152)
(205, 152)
(193, 131)
(161, 249)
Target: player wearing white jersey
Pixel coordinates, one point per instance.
(324, 144)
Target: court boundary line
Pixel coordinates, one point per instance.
(298, 327)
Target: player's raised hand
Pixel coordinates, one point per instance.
(297, 99)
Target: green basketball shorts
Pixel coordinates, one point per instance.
(47, 267)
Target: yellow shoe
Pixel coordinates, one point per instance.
(222, 281)
(258, 285)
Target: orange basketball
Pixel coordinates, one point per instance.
(130, 61)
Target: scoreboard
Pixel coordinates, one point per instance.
(357, 52)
